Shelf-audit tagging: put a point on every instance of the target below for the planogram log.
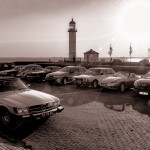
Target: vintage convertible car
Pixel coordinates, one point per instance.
(40, 75)
(92, 76)
(19, 103)
(65, 74)
(11, 72)
(121, 80)
(142, 86)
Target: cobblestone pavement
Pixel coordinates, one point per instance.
(91, 120)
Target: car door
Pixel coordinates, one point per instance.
(131, 79)
(103, 74)
(72, 72)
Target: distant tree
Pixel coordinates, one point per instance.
(110, 52)
(130, 51)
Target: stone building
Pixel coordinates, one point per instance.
(91, 56)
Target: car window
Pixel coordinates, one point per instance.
(89, 72)
(65, 69)
(71, 70)
(110, 71)
(82, 70)
(38, 68)
(103, 72)
(147, 75)
(76, 70)
(11, 85)
(132, 75)
(96, 71)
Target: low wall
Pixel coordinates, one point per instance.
(121, 67)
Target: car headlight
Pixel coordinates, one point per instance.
(56, 103)
(21, 110)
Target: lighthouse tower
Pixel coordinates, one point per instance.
(72, 40)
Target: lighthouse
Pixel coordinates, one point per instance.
(72, 40)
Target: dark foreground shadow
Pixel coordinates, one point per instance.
(16, 135)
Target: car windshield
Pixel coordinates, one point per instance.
(121, 74)
(147, 75)
(11, 84)
(66, 69)
(93, 72)
(17, 68)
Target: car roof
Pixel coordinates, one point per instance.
(99, 68)
(7, 77)
(53, 66)
(75, 66)
(32, 65)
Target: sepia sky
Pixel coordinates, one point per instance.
(38, 28)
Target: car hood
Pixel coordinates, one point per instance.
(26, 98)
(4, 71)
(110, 79)
(83, 76)
(58, 73)
(144, 80)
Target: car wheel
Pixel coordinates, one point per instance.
(95, 84)
(6, 122)
(122, 87)
(64, 81)
(43, 79)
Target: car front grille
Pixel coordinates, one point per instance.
(143, 86)
(32, 75)
(40, 108)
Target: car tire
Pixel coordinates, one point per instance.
(64, 81)
(122, 87)
(6, 122)
(95, 84)
(43, 79)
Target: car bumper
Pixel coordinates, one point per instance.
(53, 80)
(33, 77)
(43, 114)
(141, 92)
(82, 82)
(111, 87)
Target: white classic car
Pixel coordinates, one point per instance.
(92, 76)
(18, 102)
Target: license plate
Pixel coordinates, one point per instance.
(143, 93)
(47, 114)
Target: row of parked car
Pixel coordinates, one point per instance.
(106, 78)
(19, 103)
